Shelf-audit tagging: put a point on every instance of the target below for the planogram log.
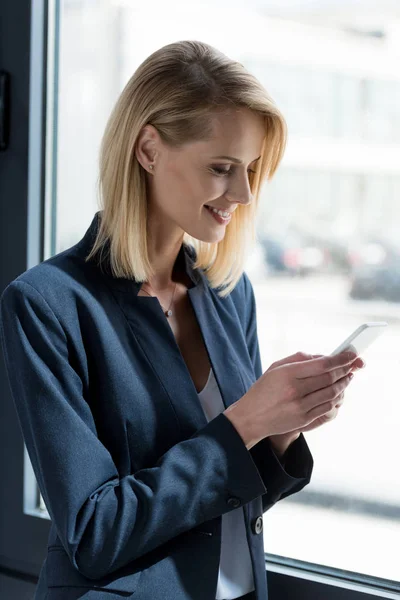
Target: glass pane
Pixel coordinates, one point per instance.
(349, 515)
(327, 258)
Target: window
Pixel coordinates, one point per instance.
(326, 241)
(334, 198)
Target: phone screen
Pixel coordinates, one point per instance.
(362, 337)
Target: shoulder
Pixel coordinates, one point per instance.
(243, 291)
(241, 300)
(55, 279)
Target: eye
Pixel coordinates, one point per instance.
(219, 171)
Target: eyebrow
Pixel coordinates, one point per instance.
(235, 160)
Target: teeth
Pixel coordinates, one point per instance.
(221, 213)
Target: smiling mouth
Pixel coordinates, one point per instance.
(218, 218)
(221, 209)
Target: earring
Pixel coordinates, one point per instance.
(150, 166)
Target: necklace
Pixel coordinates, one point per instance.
(167, 312)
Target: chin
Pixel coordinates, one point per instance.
(212, 239)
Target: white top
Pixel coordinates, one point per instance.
(235, 576)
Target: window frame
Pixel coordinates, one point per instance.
(23, 539)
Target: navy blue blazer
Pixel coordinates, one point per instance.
(133, 476)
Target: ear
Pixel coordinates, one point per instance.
(146, 146)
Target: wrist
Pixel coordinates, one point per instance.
(282, 441)
(242, 424)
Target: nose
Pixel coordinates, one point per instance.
(239, 191)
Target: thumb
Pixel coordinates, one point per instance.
(298, 357)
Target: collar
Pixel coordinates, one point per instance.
(186, 257)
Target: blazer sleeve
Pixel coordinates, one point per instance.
(281, 479)
(105, 521)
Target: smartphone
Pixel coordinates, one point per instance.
(362, 337)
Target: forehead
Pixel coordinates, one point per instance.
(238, 132)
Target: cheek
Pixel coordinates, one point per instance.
(197, 190)
(190, 188)
(184, 181)
(210, 188)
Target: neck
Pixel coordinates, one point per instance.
(165, 277)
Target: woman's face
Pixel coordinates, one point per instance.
(185, 180)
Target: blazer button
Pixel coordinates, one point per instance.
(257, 525)
(233, 501)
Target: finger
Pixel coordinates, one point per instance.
(358, 364)
(319, 382)
(341, 400)
(329, 416)
(318, 412)
(318, 366)
(332, 414)
(297, 357)
(326, 399)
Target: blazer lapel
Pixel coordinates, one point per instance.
(224, 360)
(156, 339)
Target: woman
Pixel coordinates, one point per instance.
(133, 358)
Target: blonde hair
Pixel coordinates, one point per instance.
(177, 89)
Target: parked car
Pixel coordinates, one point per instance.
(294, 254)
(338, 250)
(375, 270)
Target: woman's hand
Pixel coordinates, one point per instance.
(281, 442)
(290, 396)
